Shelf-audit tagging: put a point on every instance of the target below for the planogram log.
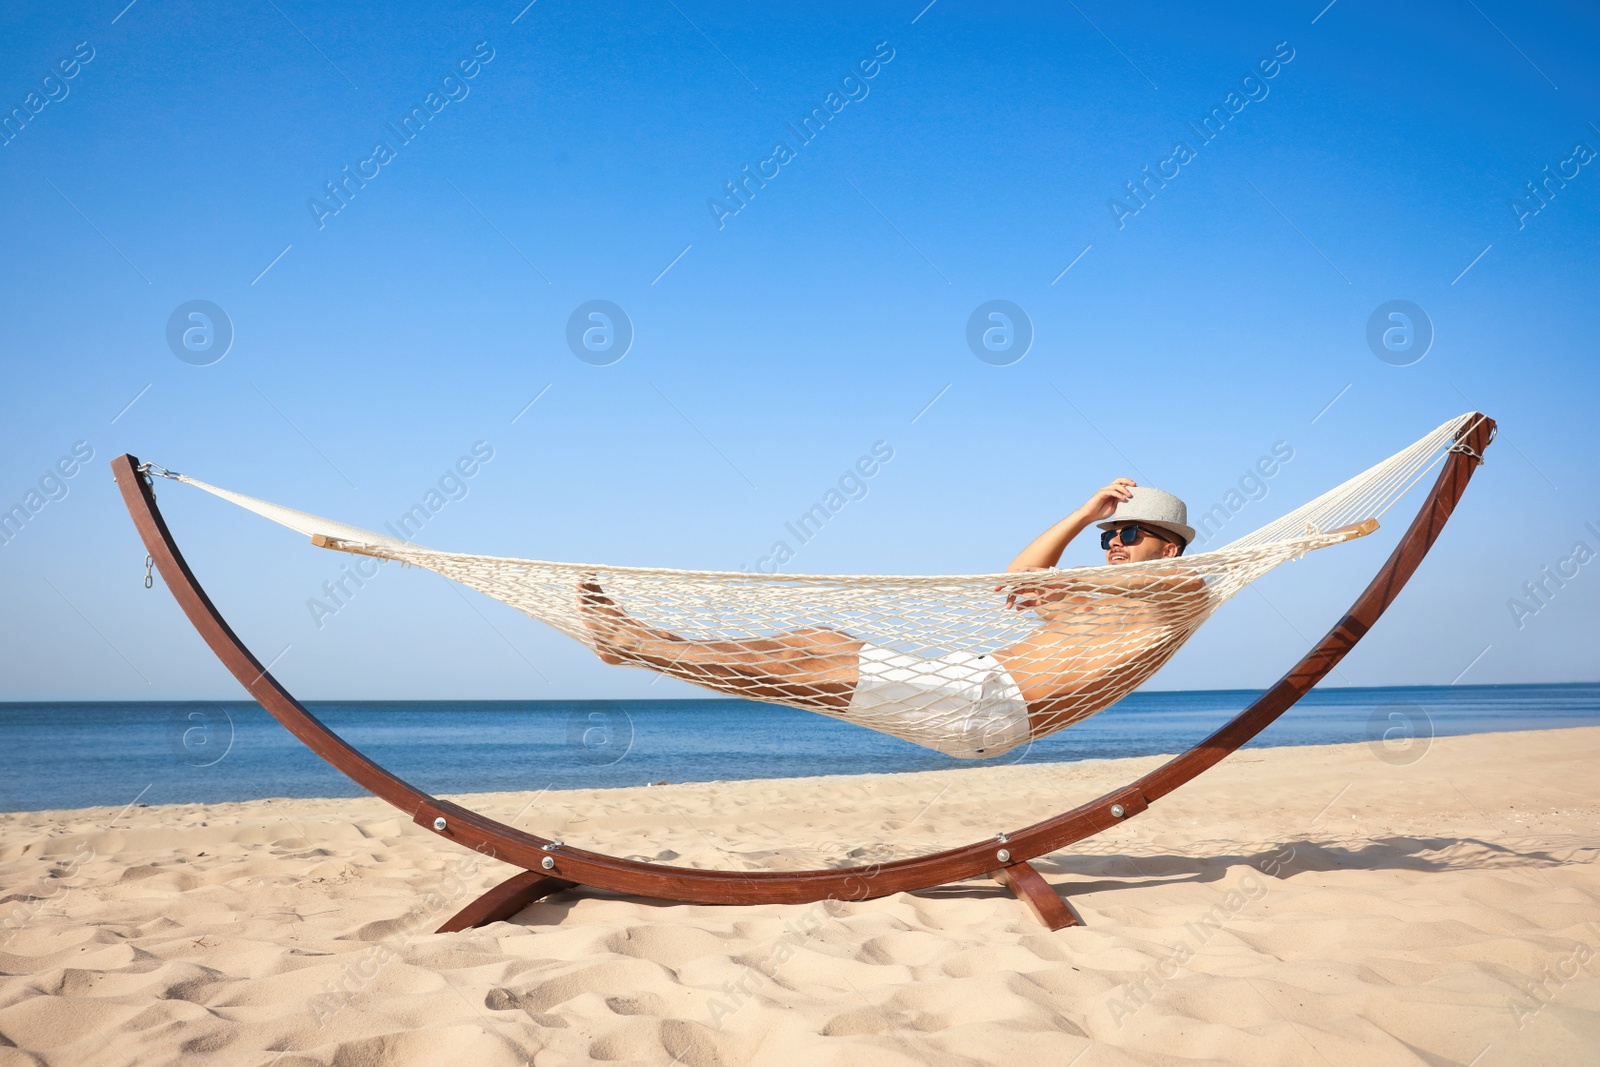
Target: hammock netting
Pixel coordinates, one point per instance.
(1074, 640)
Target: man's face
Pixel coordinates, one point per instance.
(1149, 546)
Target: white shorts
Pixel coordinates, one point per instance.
(962, 704)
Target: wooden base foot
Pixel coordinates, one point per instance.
(1031, 888)
(504, 900)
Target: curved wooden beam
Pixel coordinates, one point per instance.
(690, 885)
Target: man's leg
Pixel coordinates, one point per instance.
(809, 666)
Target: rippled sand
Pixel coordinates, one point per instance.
(1299, 905)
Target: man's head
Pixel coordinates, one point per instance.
(1134, 542)
(1150, 525)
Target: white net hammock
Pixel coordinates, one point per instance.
(1072, 641)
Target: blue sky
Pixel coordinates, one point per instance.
(374, 346)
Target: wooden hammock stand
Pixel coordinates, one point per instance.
(548, 866)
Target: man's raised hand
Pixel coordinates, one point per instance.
(1103, 504)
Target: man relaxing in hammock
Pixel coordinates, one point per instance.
(1102, 635)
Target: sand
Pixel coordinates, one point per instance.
(1313, 905)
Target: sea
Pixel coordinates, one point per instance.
(72, 755)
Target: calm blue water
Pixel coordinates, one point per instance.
(69, 755)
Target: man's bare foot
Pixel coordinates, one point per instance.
(606, 621)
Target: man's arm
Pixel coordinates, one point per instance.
(1050, 595)
(1046, 549)
(1123, 581)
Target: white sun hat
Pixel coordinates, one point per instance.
(1152, 507)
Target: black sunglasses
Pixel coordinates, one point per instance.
(1129, 535)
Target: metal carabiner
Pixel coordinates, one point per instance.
(149, 578)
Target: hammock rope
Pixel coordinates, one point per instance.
(1082, 639)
